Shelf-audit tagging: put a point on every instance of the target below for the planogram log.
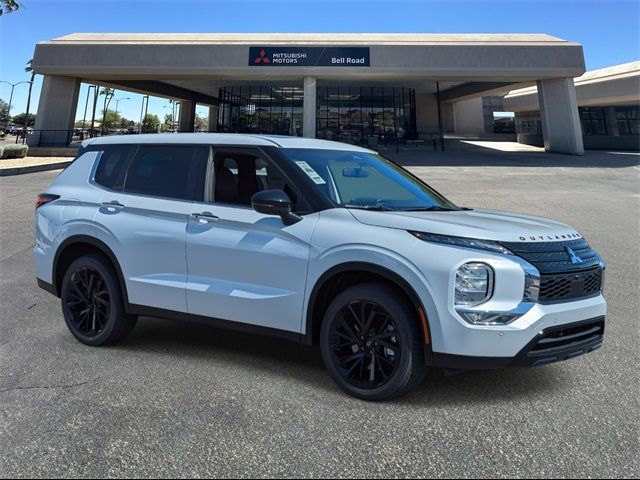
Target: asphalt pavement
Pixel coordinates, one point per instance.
(184, 400)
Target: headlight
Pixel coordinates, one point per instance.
(474, 284)
(463, 242)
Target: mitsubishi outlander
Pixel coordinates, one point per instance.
(314, 241)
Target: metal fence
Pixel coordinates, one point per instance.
(68, 138)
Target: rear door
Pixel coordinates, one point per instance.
(245, 266)
(143, 218)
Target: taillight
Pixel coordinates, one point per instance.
(43, 198)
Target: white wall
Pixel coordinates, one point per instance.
(426, 113)
(469, 117)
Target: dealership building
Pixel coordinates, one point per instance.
(608, 107)
(347, 87)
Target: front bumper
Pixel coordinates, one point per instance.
(553, 344)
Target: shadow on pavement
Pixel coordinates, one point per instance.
(282, 358)
(461, 154)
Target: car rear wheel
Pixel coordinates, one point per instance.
(92, 303)
(371, 343)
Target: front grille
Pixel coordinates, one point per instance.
(553, 257)
(561, 343)
(569, 286)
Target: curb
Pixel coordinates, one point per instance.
(5, 172)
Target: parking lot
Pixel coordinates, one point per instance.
(188, 400)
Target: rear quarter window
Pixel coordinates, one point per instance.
(112, 167)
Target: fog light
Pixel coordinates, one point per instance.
(474, 284)
(488, 318)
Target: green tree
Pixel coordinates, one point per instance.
(201, 123)
(4, 112)
(110, 120)
(151, 123)
(108, 95)
(21, 119)
(8, 6)
(29, 69)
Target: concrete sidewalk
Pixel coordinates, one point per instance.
(465, 153)
(18, 166)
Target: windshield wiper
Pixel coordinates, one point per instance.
(379, 208)
(432, 208)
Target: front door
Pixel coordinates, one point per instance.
(245, 266)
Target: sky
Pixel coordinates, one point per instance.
(608, 29)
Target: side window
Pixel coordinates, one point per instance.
(168, 171)
(113, 166)
(239, 174)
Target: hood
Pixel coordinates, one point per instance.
(480, 224)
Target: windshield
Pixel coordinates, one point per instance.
(365, 180)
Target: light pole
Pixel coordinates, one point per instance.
(116, 115)
(145, 100)
(13, 85)
(86, 104)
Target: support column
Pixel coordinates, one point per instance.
(187, 117)
(309, 108)
(213, 119)
(559, 116)
(56, 112)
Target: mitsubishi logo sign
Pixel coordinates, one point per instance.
(262, 57)
(304, 56)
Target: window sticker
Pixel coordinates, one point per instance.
(313, 175)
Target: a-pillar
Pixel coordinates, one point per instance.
(187, 117)
(309, 108)
(561, 129)
(56, 112)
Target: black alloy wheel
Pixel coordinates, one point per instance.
(365, 344)
(87, 301)
(371, 342)
(92, 302)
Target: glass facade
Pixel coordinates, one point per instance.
(347, 114)
(355, 114)
(592, 120)
(628, 119)
(260, 109)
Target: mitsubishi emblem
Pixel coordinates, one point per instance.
(573, 256)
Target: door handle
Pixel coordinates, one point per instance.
(112, 206)
(205, 217)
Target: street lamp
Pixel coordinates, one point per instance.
(13, 85)
(116, 115)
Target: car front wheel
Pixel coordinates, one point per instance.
(371, 343)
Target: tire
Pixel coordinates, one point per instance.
(389, 342)
(92, 302)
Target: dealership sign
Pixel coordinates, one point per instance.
(309, 56)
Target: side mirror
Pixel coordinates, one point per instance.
(275, 202)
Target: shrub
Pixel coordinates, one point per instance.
(1, 150)
(14, 151)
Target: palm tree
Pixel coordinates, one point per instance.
(29, 69)
(8, 6)
(108, 95)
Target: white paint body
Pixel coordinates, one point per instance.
(251, 268)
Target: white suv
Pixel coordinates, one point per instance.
(313, 241)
